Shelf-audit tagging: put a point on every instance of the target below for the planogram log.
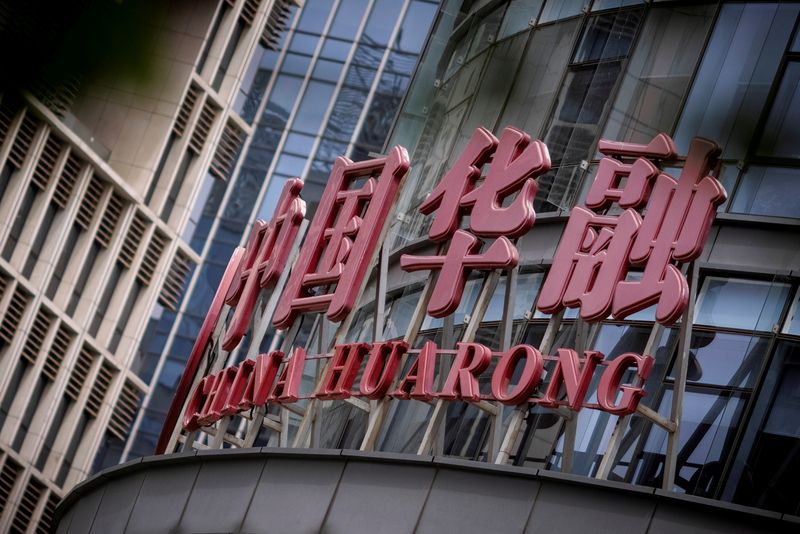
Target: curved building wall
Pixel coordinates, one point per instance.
(339, 491)
(725, 71)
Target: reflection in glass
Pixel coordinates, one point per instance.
(313, 106)
(764, 474)
(555, 10)
(721, 359)
(314, 16)
(781, 130)
(607, 36)
(539, 77)
(735, 75)
(415, 26)
(739, 303)
(792, 325)
(347, 19)
(658, 73)
(578, 110)
(768, 191)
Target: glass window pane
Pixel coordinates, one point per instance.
(608, 36)
(314, 16)
(783, 418)
(735, 75)
(527, 289)
(721, 359)
(312, 107)
(539, 77)
(304, 44)
(291, 165)
(560, 9)
(361, 77)
(792, 325)
(348, 17)
(280, 103)
(327, 70)
(335, 49)
(708, 424)
(369, 56)
(782, 129)
(599, 5)
(743, 304)
(658, 73)
(765, 472)
(298, 143)
(518, 17)
(771, 191)
(381, 22)
(414, 29)
(295, 64)
(486, 32)
(400, 314)
(578, 110)
(346, 110)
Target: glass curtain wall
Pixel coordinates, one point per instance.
(570, 73)
(333, 89)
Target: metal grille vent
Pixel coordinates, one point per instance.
(90, 202)
(108, 224)
(228, 148)
(203, 127)
(58, 98)
(8, 477)
(66, 182)
(23, 141)
(46, 521)
(249, 10)
(101, 384)
(47, 162)
(151, 257)
(3, 284)
(185, 112)
(173, 284)
(275, 25)
(125, 410)
(83, 365)
(39, 329)
(27, 505)
(8, 111)
(58, 351)
(132, 239)
(14, 313)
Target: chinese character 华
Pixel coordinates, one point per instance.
(515, 164)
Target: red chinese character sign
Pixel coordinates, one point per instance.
(345, 232)
(661, 222)
(267, 252)
(249, 270)
(596, 251)
(515, 164)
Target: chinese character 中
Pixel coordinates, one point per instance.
(265, 258)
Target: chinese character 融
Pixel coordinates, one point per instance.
(516, 161)
(342, 238)
(596, 251)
